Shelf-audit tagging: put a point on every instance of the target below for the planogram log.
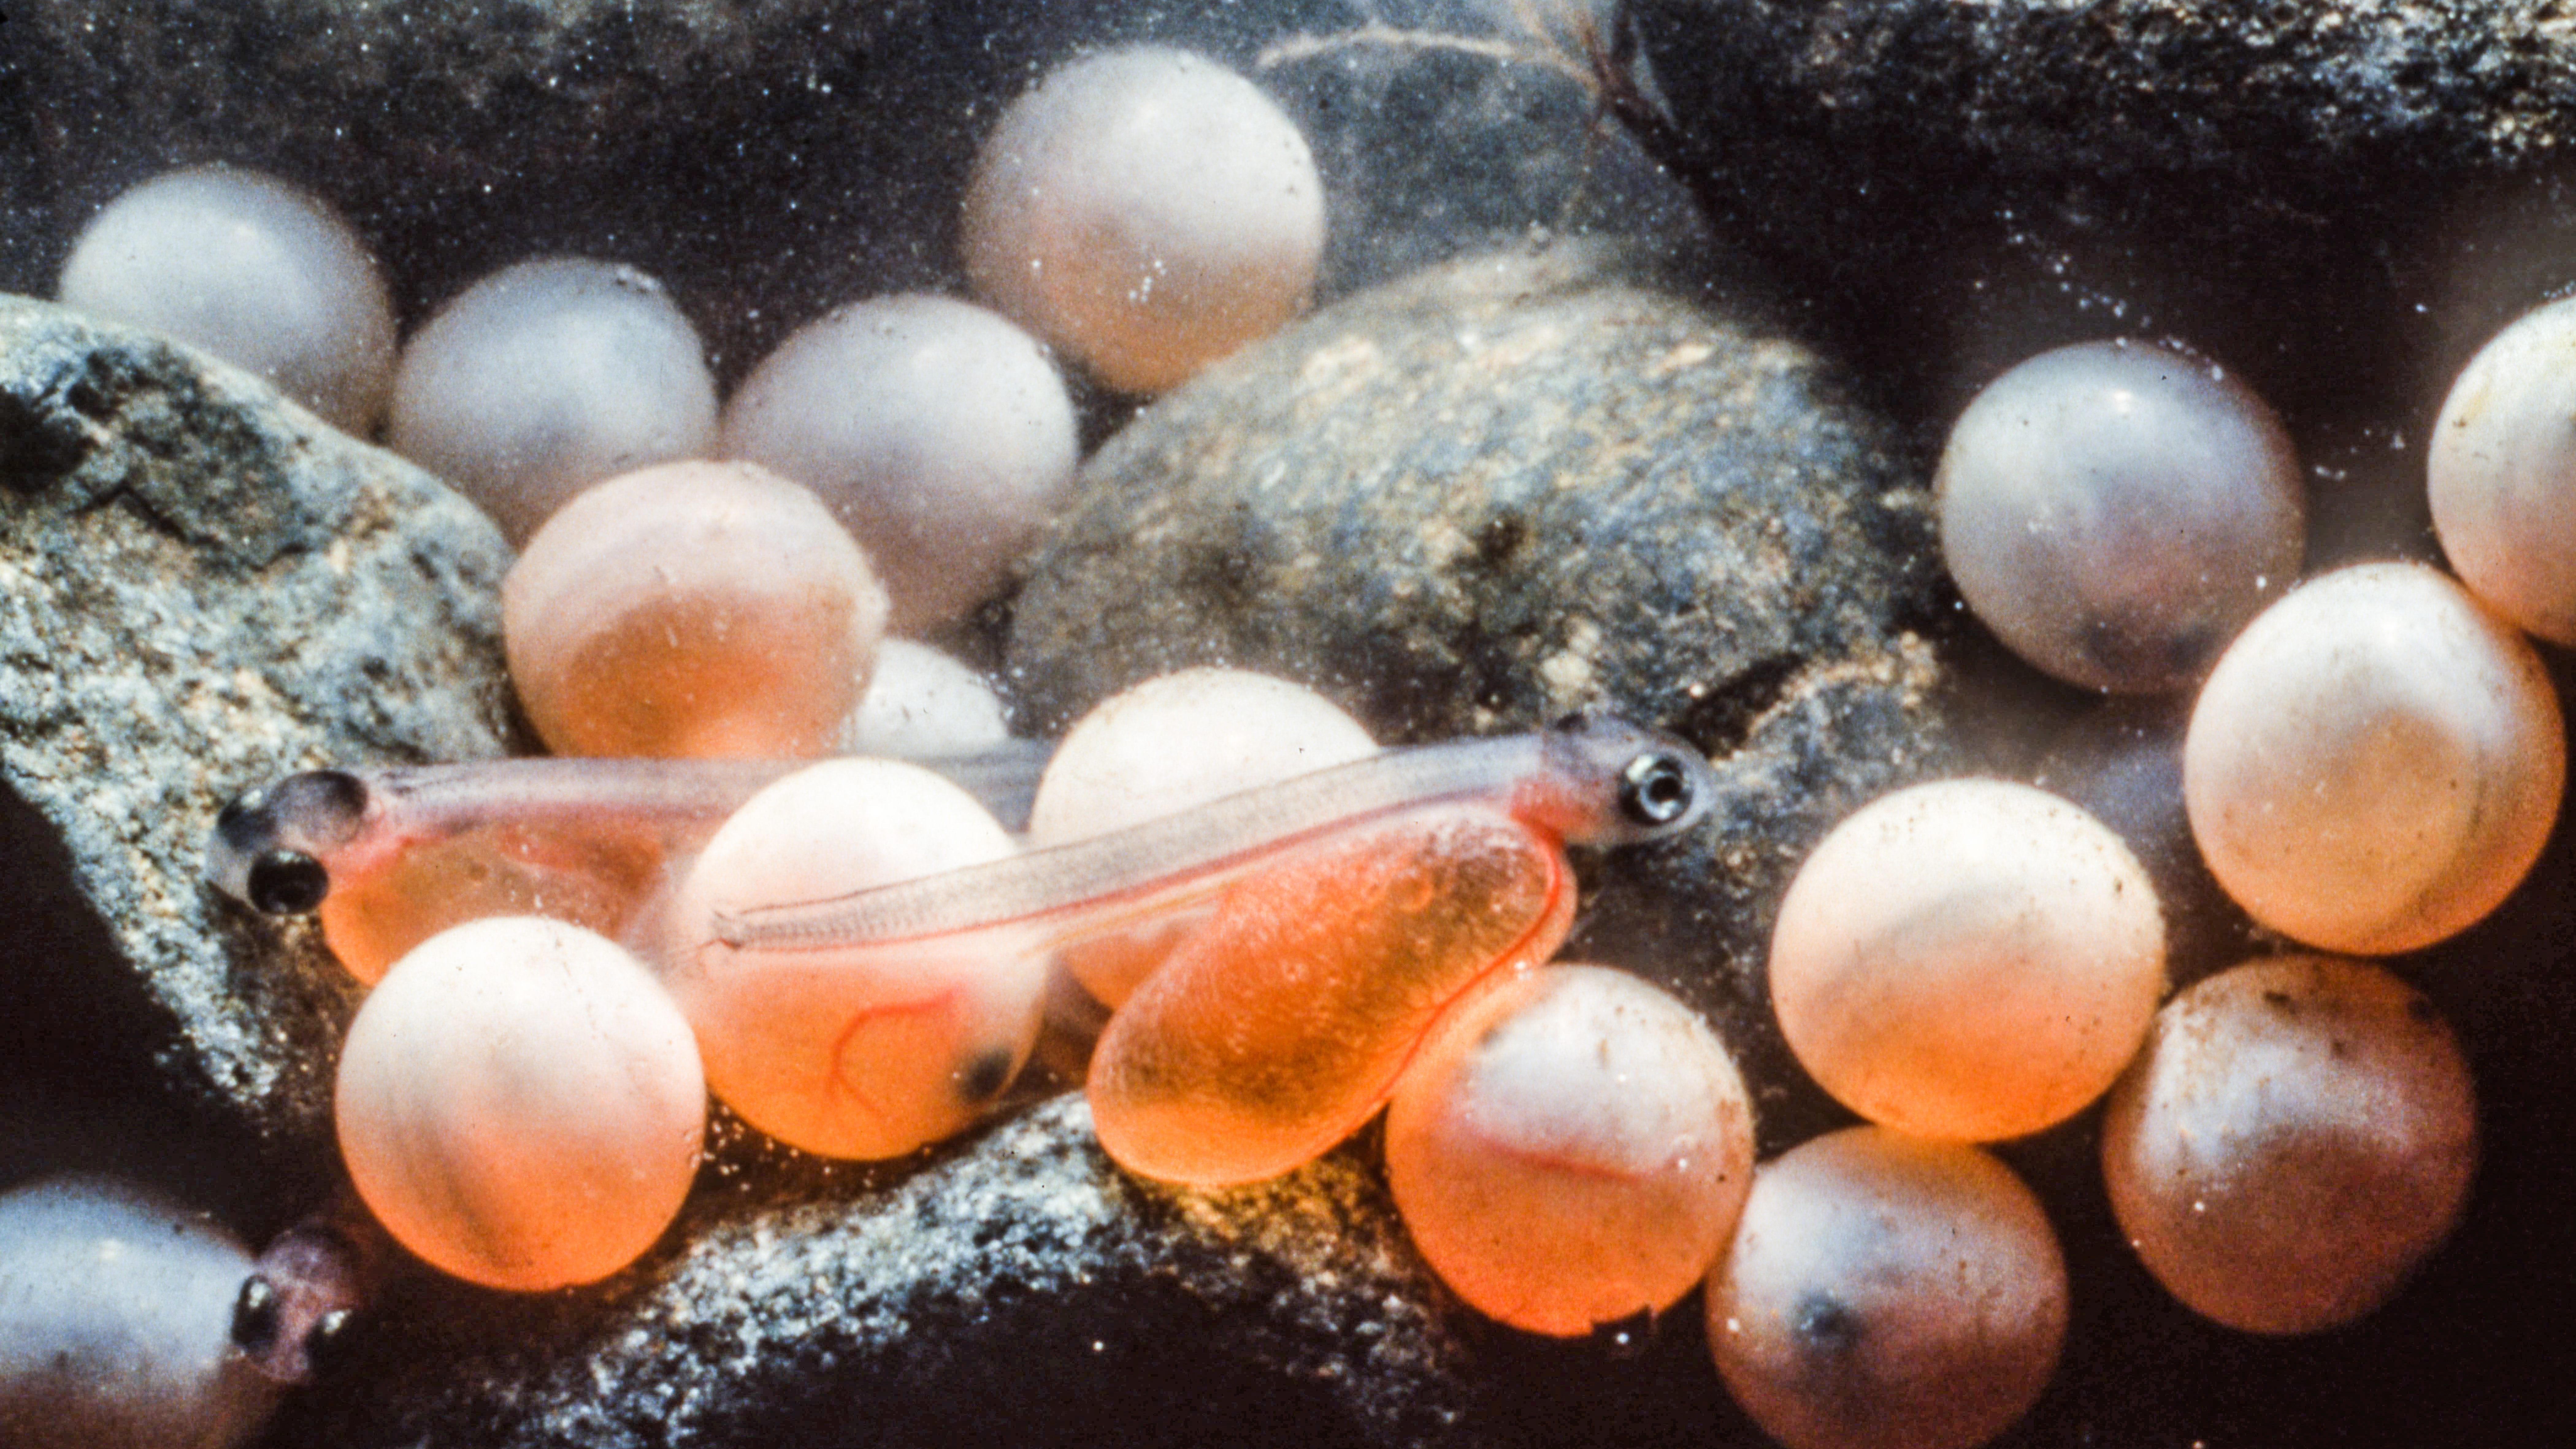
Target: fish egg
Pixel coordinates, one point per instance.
(693, 609)
(2501, 473)
(2298, 1134)
(1968, 959)
(261, 273)
(546, 377)
(520, 1104)
(936, 430)
(116, 1311)
(1885, 1292)
(1570, 1149)
(921, 704)
(2375, 763)
(2116, 511)
(1147, 211)
(1167, 745)
(864, 1051)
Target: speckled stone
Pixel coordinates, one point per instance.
(1515, 487)
(1020, 1291)
(202, 587)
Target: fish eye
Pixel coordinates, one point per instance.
(286, 883)
(256, 1316)
(328, 1343)
(1655, 789)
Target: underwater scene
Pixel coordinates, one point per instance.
(1371, 723)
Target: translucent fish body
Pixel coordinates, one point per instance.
(387, 858)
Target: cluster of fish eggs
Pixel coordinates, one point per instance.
(693, 609)
(2373, 761)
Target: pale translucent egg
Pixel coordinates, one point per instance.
(1968, 959)
(520, 1104)
(2375, 763)
(257, 271)
(1147, 211)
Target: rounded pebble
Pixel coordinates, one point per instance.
(546, 377)
(2375, 763)
(261, 273)
(1884, 1292)
(1147, 211)
(1169, 744)
(2297, 1136)
(694, 609)
(116, 1312)
(2502, 473)
(1570, 1149)
(936, 430)
(2116, 511)
(922, 704)
(863, 1052)
(1968, 959)
(520, 1104)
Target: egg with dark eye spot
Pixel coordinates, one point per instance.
(1884, 1292)
(2115, 511)
(116, 1311)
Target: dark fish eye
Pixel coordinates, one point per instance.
(286, 883)
(256, 1316)
(1655, 789)
(328, 1343)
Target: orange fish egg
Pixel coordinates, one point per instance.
(1276, 1030)
(692, 609)
(1968, 959)
(1884, 1292)
(1570, 1149)
(520, 1104)
(866, 1050)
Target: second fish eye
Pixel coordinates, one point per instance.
(287, 883)
(1655, 789)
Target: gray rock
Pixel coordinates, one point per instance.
(1445, 128)
(202, 587)
(1022, 1291)
(1508, 489)
(2110, 91)
(2322, 196)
